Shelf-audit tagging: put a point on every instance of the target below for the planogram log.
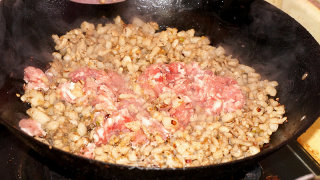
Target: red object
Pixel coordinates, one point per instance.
(194, 86)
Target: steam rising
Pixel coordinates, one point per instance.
(270, 49)
(2, 36)
(266, 39)
(27, 26)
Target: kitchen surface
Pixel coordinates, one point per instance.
(307, 13)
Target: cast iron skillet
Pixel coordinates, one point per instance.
(255, 32)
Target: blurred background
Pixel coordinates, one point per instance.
(307, 13)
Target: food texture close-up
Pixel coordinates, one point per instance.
(156, 89)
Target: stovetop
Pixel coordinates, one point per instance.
(17, 161)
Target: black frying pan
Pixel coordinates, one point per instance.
(255, 32)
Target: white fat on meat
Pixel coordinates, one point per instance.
(31, 127)
(88, 151)
(35, 79)
(66, 93)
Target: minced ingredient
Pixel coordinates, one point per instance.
(130, 94)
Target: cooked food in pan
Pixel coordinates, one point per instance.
(131, 94)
